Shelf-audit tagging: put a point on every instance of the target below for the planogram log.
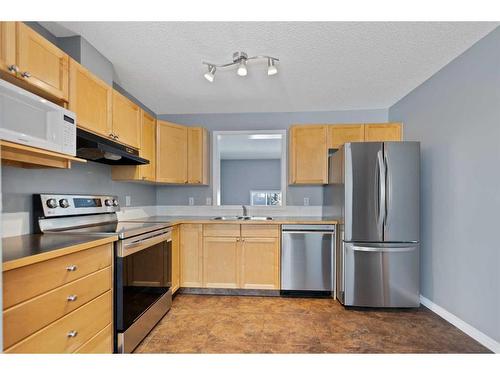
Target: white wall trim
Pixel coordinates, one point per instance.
(461, 325)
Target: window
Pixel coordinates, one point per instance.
(265, 198)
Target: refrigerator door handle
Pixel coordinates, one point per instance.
(382, 202)
(378, 250)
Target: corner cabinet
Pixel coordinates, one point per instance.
(91, 99)
(309, 145)
(308, 150)
(33, 62)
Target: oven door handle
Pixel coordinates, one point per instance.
(129, 248)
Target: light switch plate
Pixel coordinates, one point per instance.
(306, 201)
(191, 201)
(128, 200)
(209, 201)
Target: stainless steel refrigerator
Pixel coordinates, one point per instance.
(376, 185)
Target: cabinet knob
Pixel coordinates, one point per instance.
(72, 333)
(25, 74)
(13, 68)
(71, 268)
(72, 297)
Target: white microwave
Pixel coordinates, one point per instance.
(31, 120)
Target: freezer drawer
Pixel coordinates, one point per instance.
(307, 260)
(380, 275)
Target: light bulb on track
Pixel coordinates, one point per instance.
(242, 68)
(210, 75)
(272, 69)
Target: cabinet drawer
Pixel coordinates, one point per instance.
(26, 318)
(260, 230)
(221, 230)
(85, 322)
(27, 282)
(102, 343)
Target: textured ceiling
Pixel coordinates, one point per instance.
(324, 65)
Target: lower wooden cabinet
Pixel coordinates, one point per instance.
(60, 305)
(260, 263)
(191, 255)
(176, 274)
(230, 256)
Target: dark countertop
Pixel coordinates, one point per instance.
(173, 220)
(32, 248)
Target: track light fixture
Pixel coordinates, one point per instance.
(240, 60)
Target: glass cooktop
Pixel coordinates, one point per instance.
(123, 229)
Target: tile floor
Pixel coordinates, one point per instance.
(233, 324)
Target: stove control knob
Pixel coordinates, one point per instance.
(108, 202)
(51, 203)
(64, 203)
(115, 202)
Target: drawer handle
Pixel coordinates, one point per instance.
(72, 333)
(72, 297)
(71, 268)
(26, 74)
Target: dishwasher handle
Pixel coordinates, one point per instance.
(308, 231)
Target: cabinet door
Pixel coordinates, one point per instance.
(148, 146)
(383, 132)
(340, 134)
(126, 120)
(7, 46)
(221, 262)
(260, 263)
(172, 153)
(198, 156)
(191, 255)
(175, 259)
(41, 63)
(309, 155)
(91, 99)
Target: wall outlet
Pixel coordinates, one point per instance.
(128, 201)
(191, 201)
(306, 201)
(208, 201)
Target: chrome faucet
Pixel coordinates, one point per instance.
(245, 213)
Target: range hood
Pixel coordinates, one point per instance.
(101, 150)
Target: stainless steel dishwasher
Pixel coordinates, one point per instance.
(307, 259)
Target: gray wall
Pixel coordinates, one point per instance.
(175, 195)
(238, 177)
(456, 117)
(18, 185)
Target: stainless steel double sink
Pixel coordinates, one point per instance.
(242, 218)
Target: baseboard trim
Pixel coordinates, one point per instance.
(461, 325)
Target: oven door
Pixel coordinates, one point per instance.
(143, 280)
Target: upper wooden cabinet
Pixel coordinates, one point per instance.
(308, 154)
(126, 120)
(33, 62)
(198, 158)
(41, 63)
(147, 151)
(383, 132)
(7, 47)
(340, 134)
(172, 150)
(91, 99)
